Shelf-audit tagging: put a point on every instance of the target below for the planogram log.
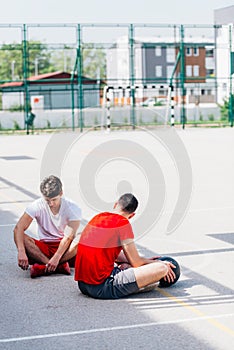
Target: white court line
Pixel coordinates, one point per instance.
(210, 209)
(200, 210)
(109, 329)
(7, 225)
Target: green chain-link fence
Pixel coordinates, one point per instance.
(66, 74)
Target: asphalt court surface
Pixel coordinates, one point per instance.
(197, 313)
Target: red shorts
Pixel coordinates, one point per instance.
(49, 249)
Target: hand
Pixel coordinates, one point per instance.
(171, 274)
(23, 260)
(52, 264)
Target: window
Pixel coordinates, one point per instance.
(210, 72)
(188, 51)
(196, 71)
(162, 92)
(158, 71)
(170, 54)
(169, 71)
(195, 51)
(209, 52)
(158, 51)
(189, 71)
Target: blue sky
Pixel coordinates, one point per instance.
(106, 11)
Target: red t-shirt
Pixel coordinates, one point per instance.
(99, 246)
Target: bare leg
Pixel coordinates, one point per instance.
(33, 252)
(150, 273)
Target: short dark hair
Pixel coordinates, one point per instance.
(128, 203)
(51, 186)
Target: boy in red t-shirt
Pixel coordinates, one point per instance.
(100, 246)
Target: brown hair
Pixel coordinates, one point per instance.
(51, 186)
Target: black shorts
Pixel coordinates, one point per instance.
(120, 284)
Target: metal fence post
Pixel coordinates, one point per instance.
(25, 76)
(80, 80)
(230, 102)
(132, 75)
(182, 76)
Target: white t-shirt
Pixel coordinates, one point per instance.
(51, 227)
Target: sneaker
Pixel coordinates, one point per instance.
(64, 269)
(38, 270)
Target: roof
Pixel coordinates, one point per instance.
(224, 15)
(201, 40)
(58, 77)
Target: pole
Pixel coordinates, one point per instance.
(80, 72)
(215, 57)
(171, 87)
(132, 76)
(25, 78)
(72, 91)
(172, 105)
(108, 118)
(230, 105)
(182, 76)
(13, 70)
(36, 66)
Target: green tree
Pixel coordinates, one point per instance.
(64, 59)
(224, 108)
(42, 60)
(94, 62)
(11, 60)
(39, 58)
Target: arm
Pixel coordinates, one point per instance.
(132, 255)
(22, 225)
(136, 260)
(123, 259)
(69, 234)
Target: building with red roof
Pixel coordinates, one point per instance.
(55, 89)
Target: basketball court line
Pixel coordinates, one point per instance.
(210, 209)
(7, 225)
(110, 329)
(211, 320)
(19, 188)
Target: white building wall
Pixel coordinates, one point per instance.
(111, 67)
(118, 65)
(123, 76)
(225, 17)
(12, 99)
(210, 63)
(223, 63)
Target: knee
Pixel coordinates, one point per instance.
(163, 268)
(28, 240)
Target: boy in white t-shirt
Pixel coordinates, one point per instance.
(58, 220)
